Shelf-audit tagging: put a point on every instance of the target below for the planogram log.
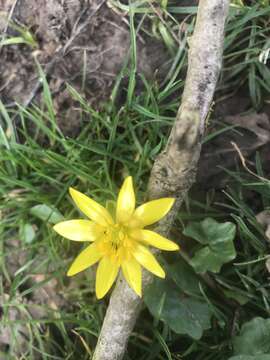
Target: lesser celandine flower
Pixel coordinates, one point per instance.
(117, 240)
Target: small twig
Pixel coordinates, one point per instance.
(10, 15)
(86, 346)
(243, 161)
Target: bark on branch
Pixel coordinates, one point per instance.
(174, 170)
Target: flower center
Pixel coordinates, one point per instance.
(116, 243)
(116, 235)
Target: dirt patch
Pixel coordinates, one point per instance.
(251, 133)
(84, 43)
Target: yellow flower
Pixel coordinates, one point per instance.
(117, 243)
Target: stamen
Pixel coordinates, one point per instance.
(117, 236)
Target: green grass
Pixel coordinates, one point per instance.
(38, 164)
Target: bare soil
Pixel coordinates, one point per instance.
(84, 43)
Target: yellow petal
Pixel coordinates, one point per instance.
(154, 239)
(91, 208)
(147, 260)
(86, 258)
(79, 230)
(133, 274)
(126, 201)
(106, 273)
(153, 211)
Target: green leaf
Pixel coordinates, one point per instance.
(47, 213)
(218, 240)
(240, 298)
(27, 233)
(183, 314)
(13, 41)
(185, 277)
(254, 338)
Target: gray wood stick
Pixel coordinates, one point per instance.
(175, 168)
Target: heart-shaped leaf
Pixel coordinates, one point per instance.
(254, 338)
(183, 314)
(185, 277)
(217, 239)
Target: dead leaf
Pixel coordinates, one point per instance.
(263, 218)
(258, 124)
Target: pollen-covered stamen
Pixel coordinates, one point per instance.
(117, 236)
(116, 243)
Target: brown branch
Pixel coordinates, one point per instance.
(174, 170)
